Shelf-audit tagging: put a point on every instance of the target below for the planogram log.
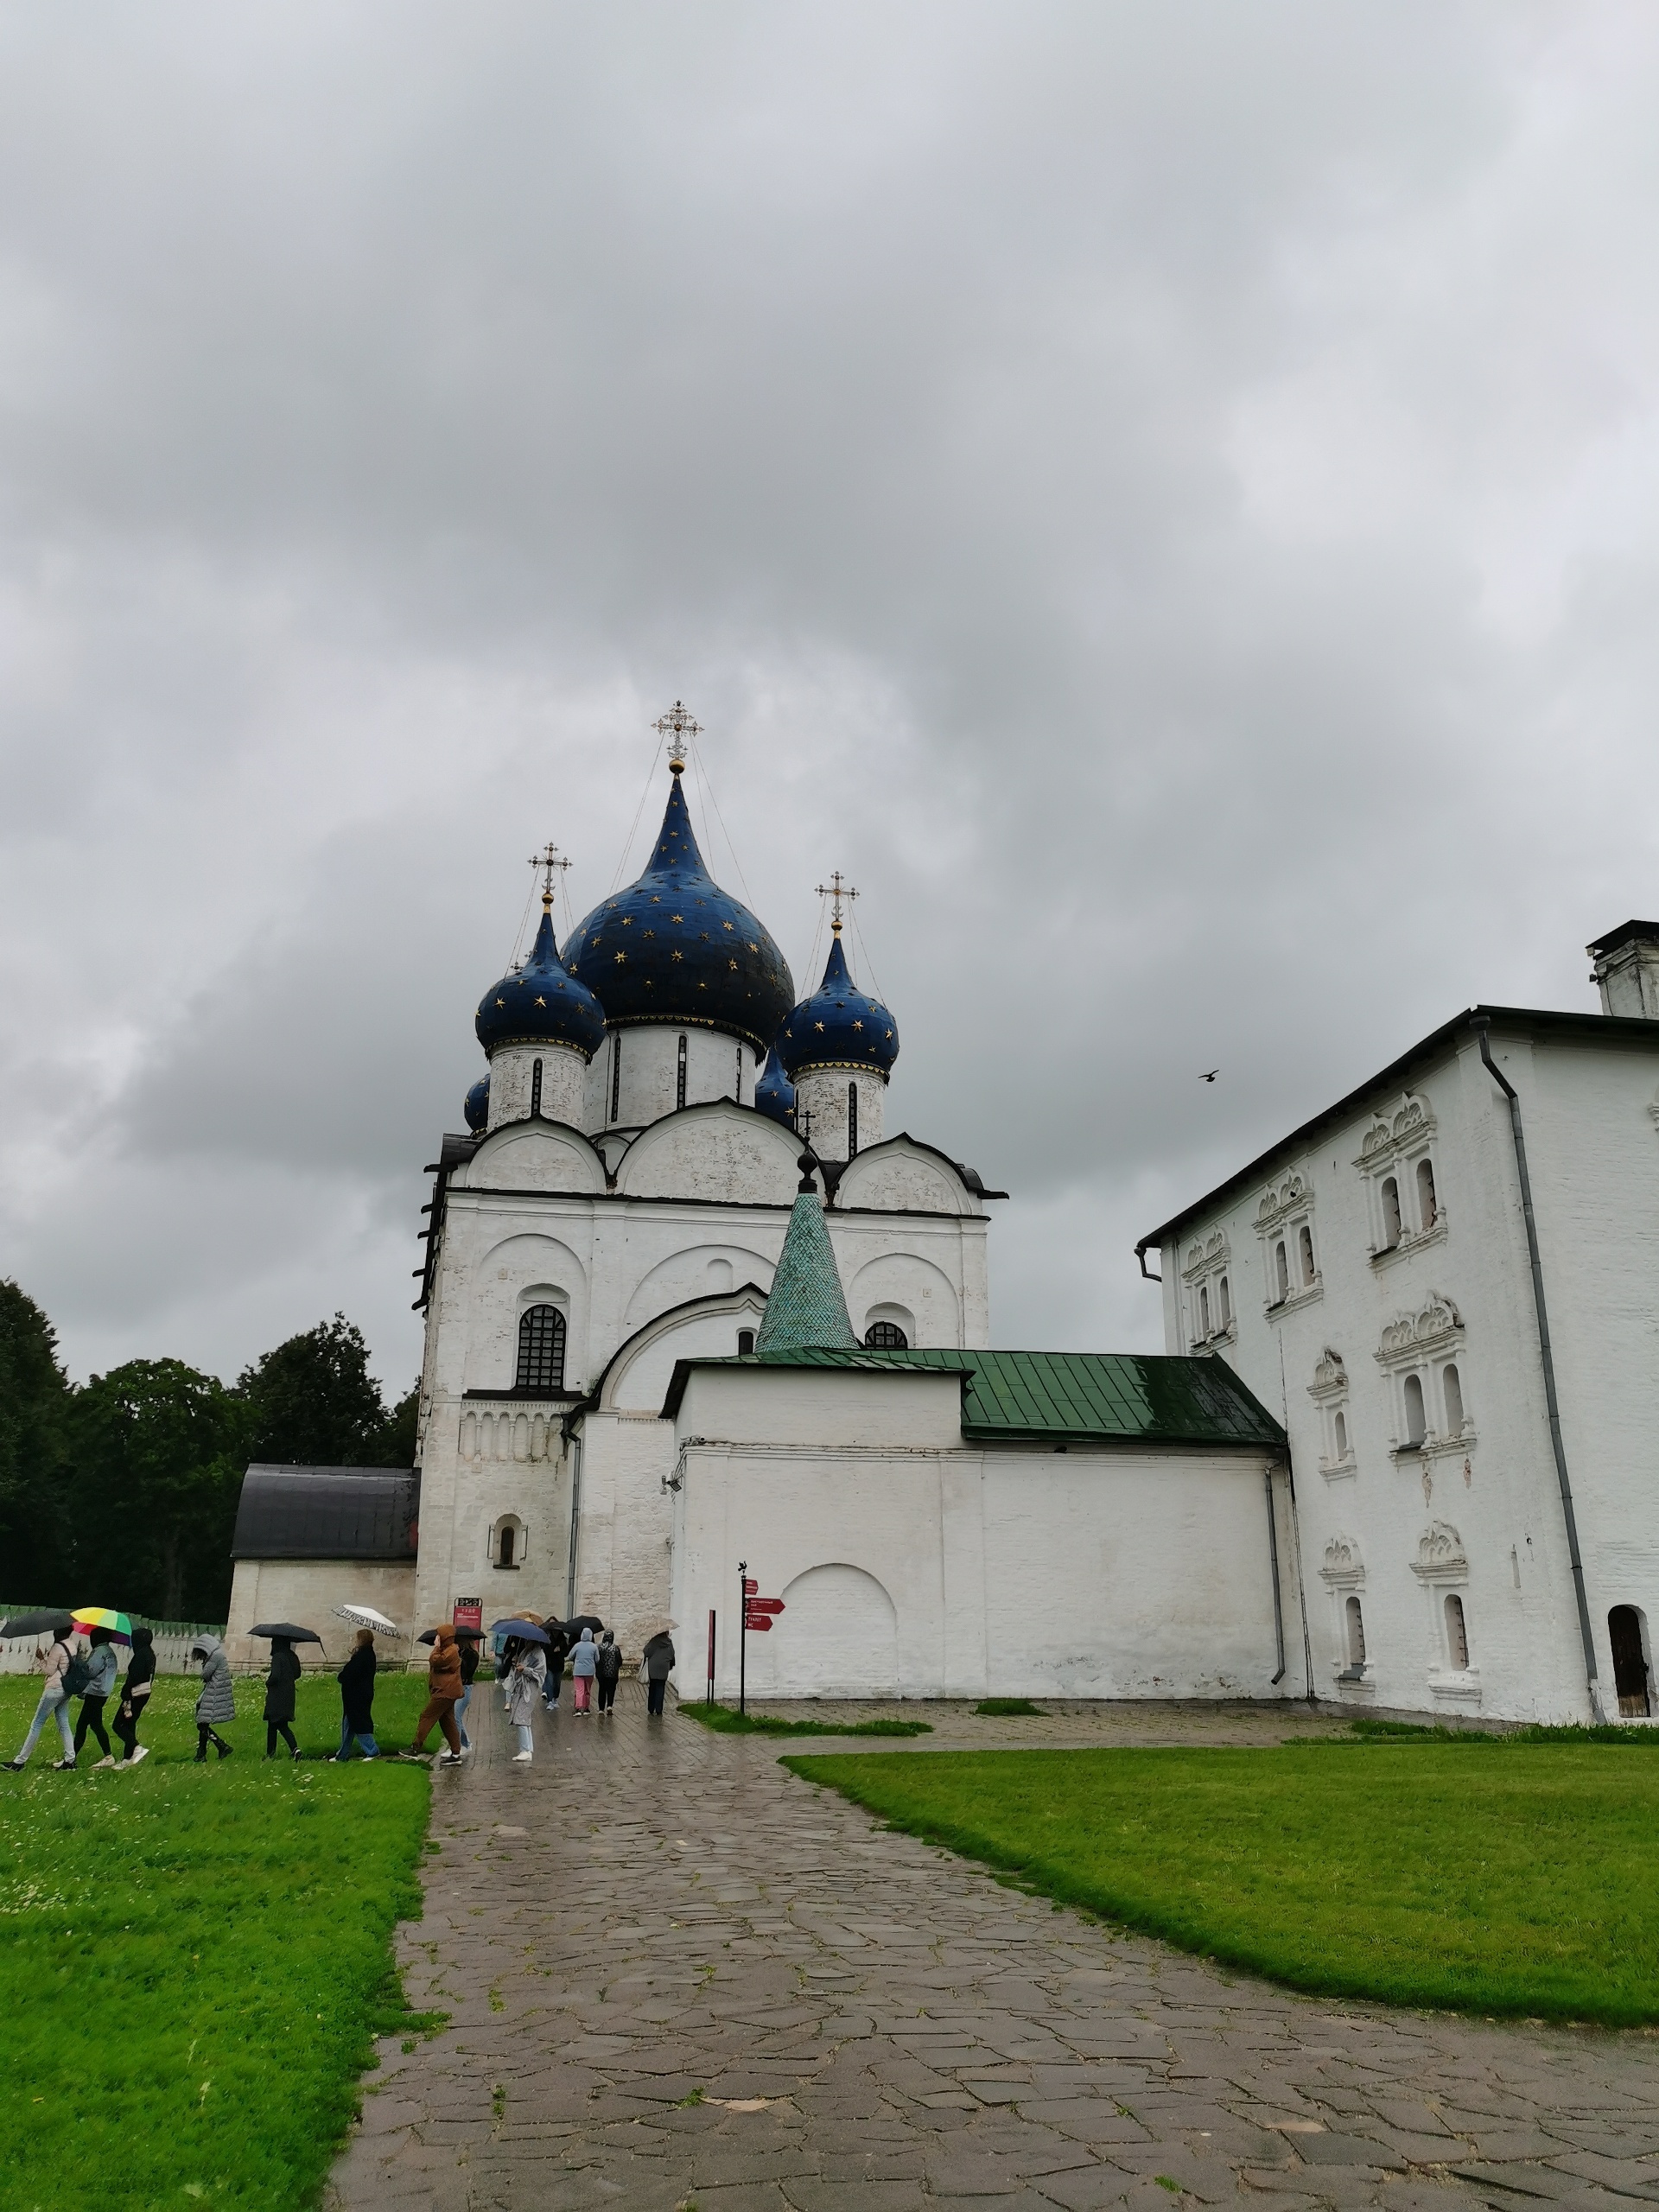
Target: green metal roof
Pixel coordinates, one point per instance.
(1062, 1397)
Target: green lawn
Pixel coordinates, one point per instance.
(1483, 1876)
(727, 1720)
(194, 1959)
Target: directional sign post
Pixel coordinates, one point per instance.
(759, 1614)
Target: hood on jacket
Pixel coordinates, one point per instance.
(587, 1636)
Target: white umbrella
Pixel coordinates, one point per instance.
(366, 1616)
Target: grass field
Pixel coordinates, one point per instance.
(194, 1959)
(727, 1720)
(1476, 1874)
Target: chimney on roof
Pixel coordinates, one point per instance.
(1627, 970)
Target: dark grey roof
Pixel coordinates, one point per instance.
(1626, 933)
(368, 1513)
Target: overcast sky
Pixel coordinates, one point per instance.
(1165, 496)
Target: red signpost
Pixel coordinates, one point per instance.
(711, 1654)
(759, 1614)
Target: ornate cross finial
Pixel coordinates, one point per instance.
(547, 862)
(679, 728)
(840, 893)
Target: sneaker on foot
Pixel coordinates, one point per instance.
(521, 1759)
(16, 1765)
(63, 1766)
(451, 1758)
(108, 1760)
(140, 1753)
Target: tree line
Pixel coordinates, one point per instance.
(122, 1490)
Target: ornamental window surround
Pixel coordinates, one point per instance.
(1344, 1576)
(1329, 1391)
(1423, 1356)
(541, 1350)
(1208, 1293)
(1441, 1567)
(1284, 1224)
(1396, 1158)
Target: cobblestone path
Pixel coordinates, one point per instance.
(680, 1977)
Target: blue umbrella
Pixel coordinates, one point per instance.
(526, 1631)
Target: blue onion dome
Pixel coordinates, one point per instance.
(839, 1026)
(542, 1003)
(477, 1108)
(774, 1093)
(674, 947)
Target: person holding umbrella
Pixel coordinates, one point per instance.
(659, 1665)
(559, 1640)
(55, 1691)
(468, 1639)
(100, 1681)
(444, 1688)
(218, 1699)
(356, 1680)
(279, 1696)
(135, 1695)
(526, 1672)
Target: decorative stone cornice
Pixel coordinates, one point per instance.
(1410, 1339)
(1203, 1259)
(1344, 1568)
(1391, 1133)
(1441, 1556)
(1330, 1379)
(1292, 1194)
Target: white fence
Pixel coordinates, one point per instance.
(26, 1655)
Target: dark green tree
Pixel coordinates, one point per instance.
(313, 1402)
(158, 1451)
(397, 1444)
(35, 1401)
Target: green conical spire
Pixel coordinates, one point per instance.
(806, 1309)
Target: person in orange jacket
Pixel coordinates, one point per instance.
(443, 1687)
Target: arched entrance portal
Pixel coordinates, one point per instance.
(1629, 1662)
(837, 1637)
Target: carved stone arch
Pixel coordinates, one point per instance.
(533, 1156)
(901, 1175)
(729, 1153)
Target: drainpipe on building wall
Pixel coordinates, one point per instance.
(575, 1524)
(1483, 1031)
(1273, 1553)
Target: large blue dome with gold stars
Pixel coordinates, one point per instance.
(838, 1027)
(541, 1004)
(675, 947)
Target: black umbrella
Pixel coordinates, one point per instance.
(526, 1631)
(583, 1620)
(286, 1628)
(50, 1620)
(471, 1636)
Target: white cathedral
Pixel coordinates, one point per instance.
(689, 1304)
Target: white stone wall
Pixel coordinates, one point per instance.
(910, 1564)
(822, 1103)
(512, 1083)
(1474, 1515)
(717, 1066)
(306, 1591)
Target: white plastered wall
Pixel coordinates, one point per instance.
(306, 1592)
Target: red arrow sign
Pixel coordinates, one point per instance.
(765, 1604)
(750, 1586)
(760, 1627)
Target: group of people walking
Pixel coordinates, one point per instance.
(531, 1668)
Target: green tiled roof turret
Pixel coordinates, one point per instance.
(807, 1308)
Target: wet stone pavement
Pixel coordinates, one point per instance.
(679, 1977)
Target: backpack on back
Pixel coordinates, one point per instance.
(76, 1675)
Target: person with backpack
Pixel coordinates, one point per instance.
(469, 1643)
(67, 1674)
(607, 1669)
(218, 1699)
(100, 1681)
(135, 1696)
(279, 1696)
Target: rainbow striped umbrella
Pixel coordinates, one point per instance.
(92, 1616)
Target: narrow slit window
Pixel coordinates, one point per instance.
(886, 1336)
(1390, 1213)
(1354, 1622)
(737, 1079)
(1339, 1431)
(536, 1091)
(679, 1074)
(745, 1343)
(1203, 1312)
(504, 1545)
(616, 1074)
(1416, 1421)
(1457, 1633)
(1225, 1296)
(1281, 1273)
(541, 1349)
(852, 1121)
(1429, 1211)
(1304, 1252)
(1452, 1385)
(1630, 1671)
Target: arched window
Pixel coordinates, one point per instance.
(1280, 1272)
(679, 1074)
(1305, 1250)
(737, 1080)
(504, 1545)
(852, 1121)
(1427, 1210)
(541, 1349)
(886, 1336)
(1226, 1297)
(1630, 1663)
(535, 1089)
(1354, 1621)
(1203, 1312)
(1452, 1385)
(1390, 1213)
(1339, 1427)
(616, 1072)
(1416, 1421)
(745, 1343)
(1457, 1635)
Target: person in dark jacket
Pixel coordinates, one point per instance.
(659, 1665)
(93, 1697)
(557, 1651)
(135, 1696)
(444, 1688)
(469, 1643)
(356, 1680)
(608, 1668)
(279, 1696)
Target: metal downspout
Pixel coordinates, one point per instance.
(1273, 1553)
(1483, 1033)
(575, 1524)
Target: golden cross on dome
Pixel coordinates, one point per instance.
(839, 892)
(679, 729)
(547, 862)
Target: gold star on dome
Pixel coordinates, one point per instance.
(858, 1025)
(676, 956)
(702, 986)
(754, 947)
(728, 925)
(502, 1004)
(677, 917)
(627, 921)
(732, 964)
(651, 932)
(619, 958)
(817, 1024)
(540, 1001)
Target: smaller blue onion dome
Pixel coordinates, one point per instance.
(477, 1109)
(774, 1093)
(542, 1004)
(838, 1027)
